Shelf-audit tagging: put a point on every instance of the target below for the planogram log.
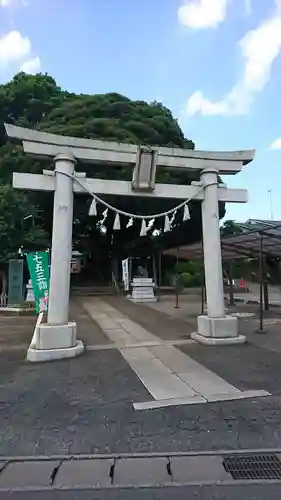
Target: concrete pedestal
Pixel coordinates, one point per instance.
(56, 336)
(218, 331)
(143, 290)
(51, 342)
(39, 355)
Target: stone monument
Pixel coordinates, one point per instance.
(143, 287)
(30, 293)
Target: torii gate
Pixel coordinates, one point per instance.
(57, 338)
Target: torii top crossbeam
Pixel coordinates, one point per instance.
(95, 151)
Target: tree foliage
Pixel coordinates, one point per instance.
(230, 227)
(18, 224)
(38, 102)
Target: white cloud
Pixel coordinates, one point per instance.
(260, 47)
(13, 48)
(199, 14)
(16, 54)
(32, 66)
(248, 7)
(14, 3)
(276, 144)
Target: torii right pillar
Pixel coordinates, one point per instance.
(216, 328)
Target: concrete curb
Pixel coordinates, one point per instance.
(78, 472)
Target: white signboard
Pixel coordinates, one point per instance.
(125, 273)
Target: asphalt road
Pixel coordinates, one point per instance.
(247, 492)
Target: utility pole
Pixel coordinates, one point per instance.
(270, 204)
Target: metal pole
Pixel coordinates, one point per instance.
(230, 277)
(159, 274)
(177, 283)
(203, 288)
(265, 285)
(270, 203)
(261, 330)
(154, 269)
(154, 272)
(130, 269)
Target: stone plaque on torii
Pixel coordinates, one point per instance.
(57, 338)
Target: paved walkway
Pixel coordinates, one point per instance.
(274, 294)
(172, 377)
(162, 325)
(85, 405)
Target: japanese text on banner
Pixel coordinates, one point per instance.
(38, 264)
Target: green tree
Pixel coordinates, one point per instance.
(37, 102)
(230, 227)
(19, 226)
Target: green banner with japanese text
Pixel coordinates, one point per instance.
(38, 265)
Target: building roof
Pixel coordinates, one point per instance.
(257, 224)
(244, 245)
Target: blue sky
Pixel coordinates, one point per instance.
(215, 63)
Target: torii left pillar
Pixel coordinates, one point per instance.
(57, 338)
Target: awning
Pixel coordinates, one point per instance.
(239, 246)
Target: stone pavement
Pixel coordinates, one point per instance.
(162, 325)
(185, 315)
(274, 294)
(85, 405)
(171, 377)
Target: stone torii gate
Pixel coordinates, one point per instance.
(57, 338)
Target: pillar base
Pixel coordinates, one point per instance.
(216, 341)
(143, 300)
(39, 355)
(56, 336)
(53, 342)
(218, 331)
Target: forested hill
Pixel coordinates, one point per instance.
(38, 102)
